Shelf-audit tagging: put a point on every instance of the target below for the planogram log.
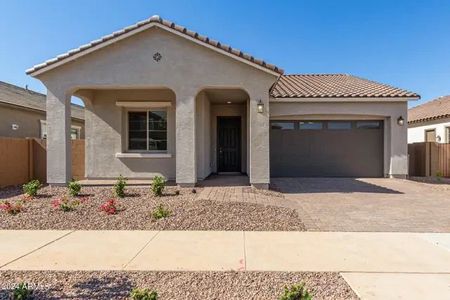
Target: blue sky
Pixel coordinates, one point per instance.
(402, 43)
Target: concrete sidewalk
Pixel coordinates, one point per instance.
(368, 261)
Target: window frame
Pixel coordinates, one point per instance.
(127, 131)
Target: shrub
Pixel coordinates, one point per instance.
(177, 192)
(194, 191)
(31, 188)
(439, 175)
(74, 188)
(143, 294)
(160, 212)
(22, 292)
(109, 207)
(119, 187)
(158, 185)
(10, 208)
(65, 204)
(296, 292)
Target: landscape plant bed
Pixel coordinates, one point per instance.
(175, 285)
(52, 208)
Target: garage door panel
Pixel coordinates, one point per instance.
(326, 153)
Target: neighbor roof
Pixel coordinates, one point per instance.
(23, 97)
(432, 110)
(334, 86)
(157, 20)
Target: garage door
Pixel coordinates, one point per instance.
(326, 148)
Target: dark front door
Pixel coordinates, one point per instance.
(228, 144)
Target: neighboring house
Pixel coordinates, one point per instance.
(22, 114)
(430, 122)
(163, 100)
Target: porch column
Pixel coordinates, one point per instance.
(186, 170)
(259, 141)
(59, 148)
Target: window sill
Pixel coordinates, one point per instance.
(143, 155)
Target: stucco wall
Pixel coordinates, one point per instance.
(416, 132)
(395, 136)
(106, 135)
(203, 136)
(186, 68)
(28, 121)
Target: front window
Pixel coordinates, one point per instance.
(147, 130)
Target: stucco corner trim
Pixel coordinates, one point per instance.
(144, 104)
(143, 155)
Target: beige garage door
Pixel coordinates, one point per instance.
(326, 149)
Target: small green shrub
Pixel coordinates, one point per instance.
(31, 188)
(119, 187)
(74, 188)
(439, 175)
(160, 212)
(22, 292)
(65, 204)
(158, 185)
(296, 292)
(143, 294)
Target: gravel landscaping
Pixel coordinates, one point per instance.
(175, 285)
(135, 212)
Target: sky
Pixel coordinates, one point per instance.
(404, 43)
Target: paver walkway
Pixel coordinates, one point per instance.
(370, 262)
(368, 204)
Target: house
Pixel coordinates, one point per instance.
(430, 122)
(163, 100)
(22, 114)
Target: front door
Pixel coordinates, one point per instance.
(228, 144)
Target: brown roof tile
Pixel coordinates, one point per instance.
(431, 110)
(165, 23)
(18, 96)
(333, 86)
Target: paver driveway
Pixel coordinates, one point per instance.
(375, 204)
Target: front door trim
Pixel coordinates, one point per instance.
(224, 166)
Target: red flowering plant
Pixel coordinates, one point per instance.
(12, 208)
(65, 204)
(110, 207)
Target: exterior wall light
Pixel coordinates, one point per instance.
(400, 121)
(260, 106)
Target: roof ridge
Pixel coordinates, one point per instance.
(21, 88)
(317, 74)
(32, 92)
(430, 102)
(164, 23)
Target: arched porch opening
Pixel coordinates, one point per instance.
(222, 132)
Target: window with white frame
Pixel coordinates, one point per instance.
(147, 130)
(75, 131)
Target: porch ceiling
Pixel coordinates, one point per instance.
(221, 96)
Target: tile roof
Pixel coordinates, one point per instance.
(436, 109)
(165, 23)
(15, 95)
(334, 86)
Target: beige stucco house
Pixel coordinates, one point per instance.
(23, 114)
(161, 99)
(430, 121)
